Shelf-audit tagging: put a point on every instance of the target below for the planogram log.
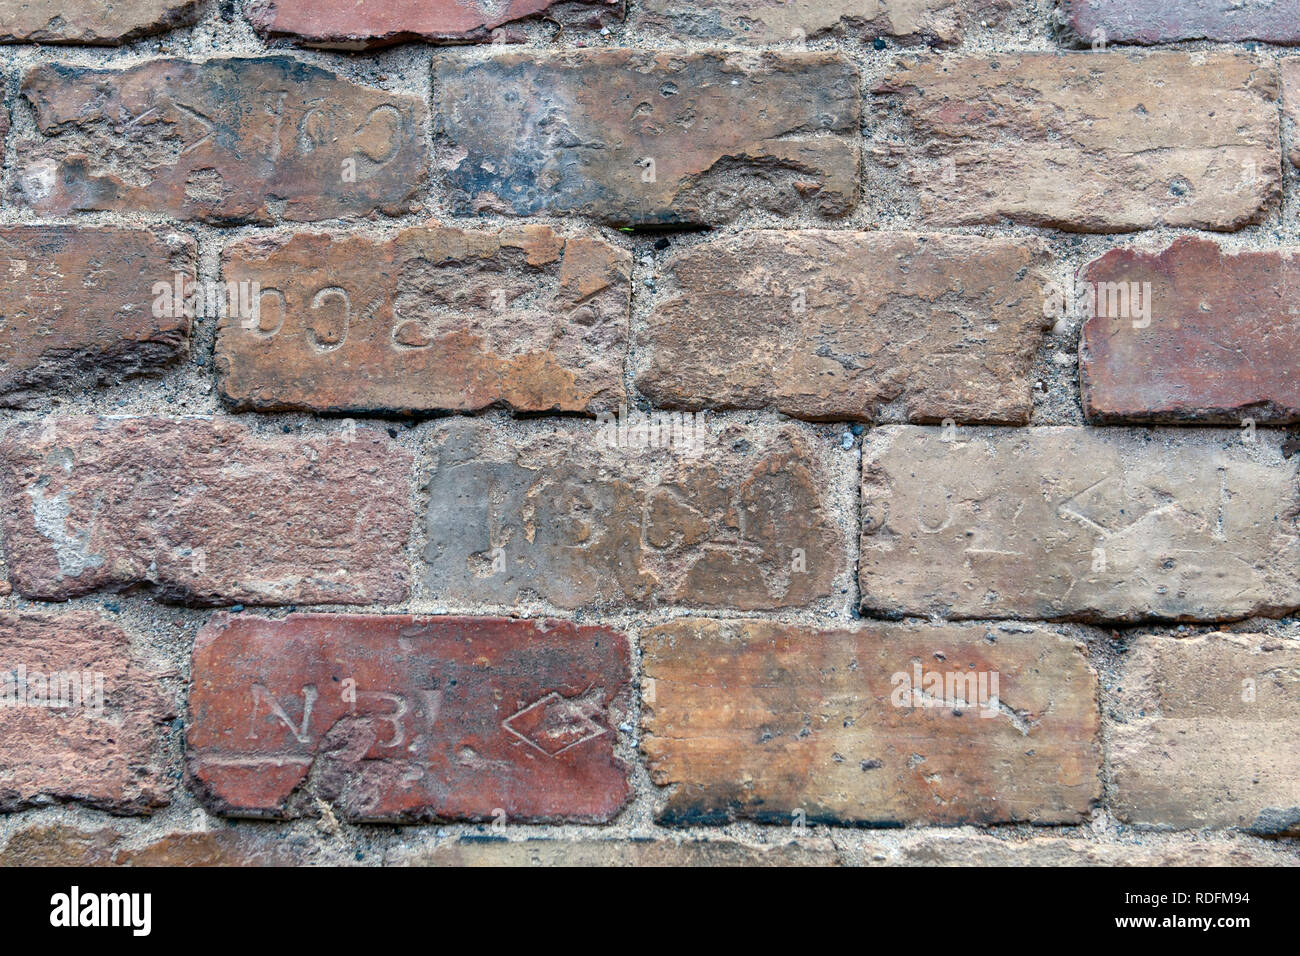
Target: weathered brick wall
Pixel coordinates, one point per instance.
(974, 536)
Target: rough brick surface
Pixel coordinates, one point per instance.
(102, 744)
(79, 307)
(227, 140)
(832, 325)
(758, 719)
(1220, 343)
(1205, 733)
(576, 517)
(401, 718)
(91, 21)
(1079, 523)
(1092, 142)
(1291, 101)
(205, 512)
(608, 113)
(434, 319)
(357, 25)
(60, 845)
(772, 21)
(1167, 21)
(710, 853)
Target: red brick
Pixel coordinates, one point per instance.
(1168, 21)
(80, 307)
(1220, 343)
(205, 512)
(774, 21)
(823, 325)
(405, 719)
(105, 749)
(357, 25)
(434, 319)
(227, 140)
(91, 21)
(1090, 142)
(610, 111)
(759, 720)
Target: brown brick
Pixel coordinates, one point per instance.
(1077, 523)
(91, 21)
(761, 720)
(434, 319)
(356, 26)
(1167, 21)
(1204, 733)
(80, 307)
(401, 718)
(579, 515)
(62, 845)
(608, 112)
(205, 512)
(227, 141)
(610, 853)
(746, 21)
(832, 325)
(1093, 142)
(89, 735)
(1217, 339)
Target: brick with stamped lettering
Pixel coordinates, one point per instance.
(433, 319)
(833, 324)
(79, 307)
(205, 512)
(397, 718)
(636, 137)
(642, 510)
(225, 140)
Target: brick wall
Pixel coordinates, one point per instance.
(722, 432)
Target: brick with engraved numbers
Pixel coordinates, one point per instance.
(225, 140)
(433, 319)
